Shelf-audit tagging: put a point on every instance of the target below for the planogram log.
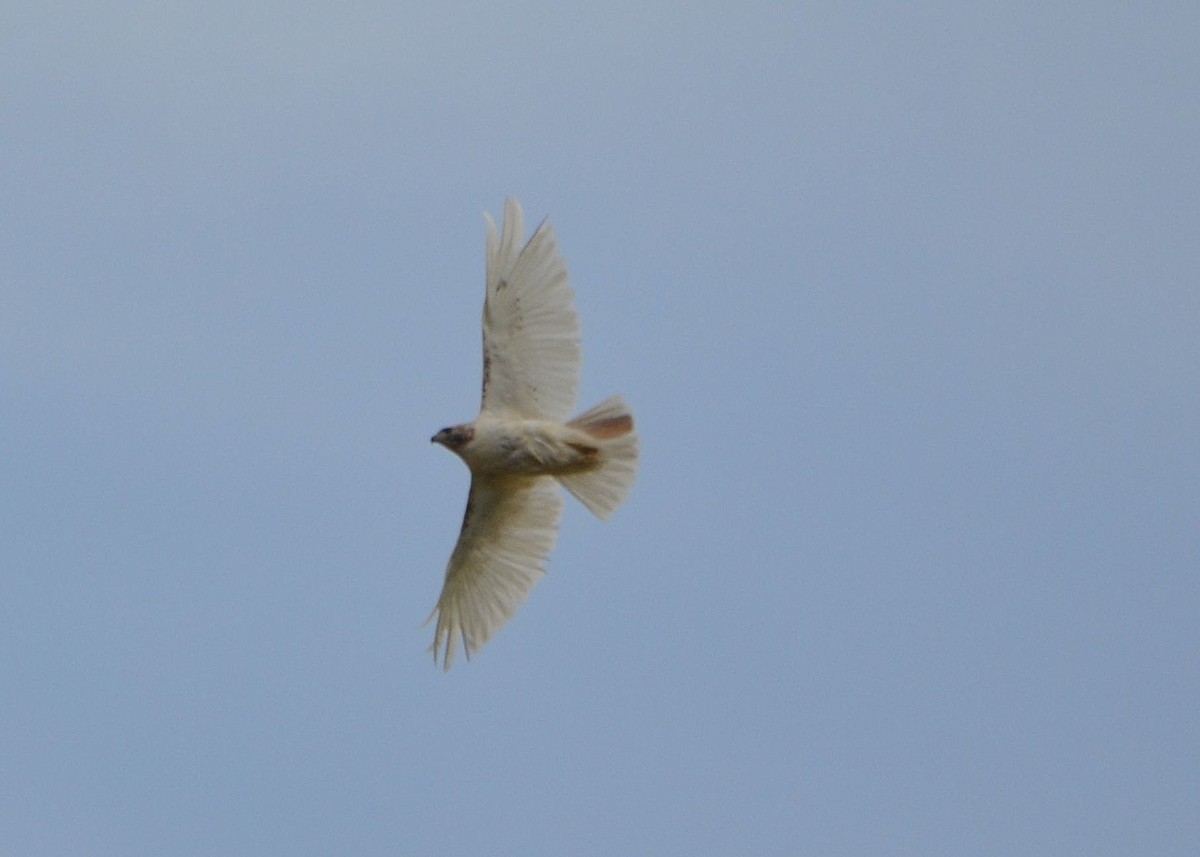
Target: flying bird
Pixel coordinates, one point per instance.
(522, 443)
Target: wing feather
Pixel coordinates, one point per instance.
(508, 531)
(531, 352)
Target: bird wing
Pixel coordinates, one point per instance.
(530, 328)
(508, 531)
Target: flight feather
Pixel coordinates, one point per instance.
(531, 351)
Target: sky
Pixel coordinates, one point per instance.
(904, 298)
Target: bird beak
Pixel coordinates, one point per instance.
(440, 437)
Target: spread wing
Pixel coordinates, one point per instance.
(530, 327)
(508, 531)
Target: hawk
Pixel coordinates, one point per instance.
(522, 445)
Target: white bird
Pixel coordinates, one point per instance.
(521, 443)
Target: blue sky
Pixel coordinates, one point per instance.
(904, 297)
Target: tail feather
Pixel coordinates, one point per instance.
(605, 488)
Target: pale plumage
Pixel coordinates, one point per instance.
(519, 444)
(530, 328)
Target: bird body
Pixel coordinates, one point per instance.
(526, 447)
(521, 443)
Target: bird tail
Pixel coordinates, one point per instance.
(603, 488)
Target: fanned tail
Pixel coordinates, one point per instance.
(605, 488)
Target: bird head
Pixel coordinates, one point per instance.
(455, 437)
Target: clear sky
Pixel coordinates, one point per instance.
(905, 297)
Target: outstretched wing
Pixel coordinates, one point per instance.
(508, 531)
(530, 327)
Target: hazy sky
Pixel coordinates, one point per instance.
(905, 299)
